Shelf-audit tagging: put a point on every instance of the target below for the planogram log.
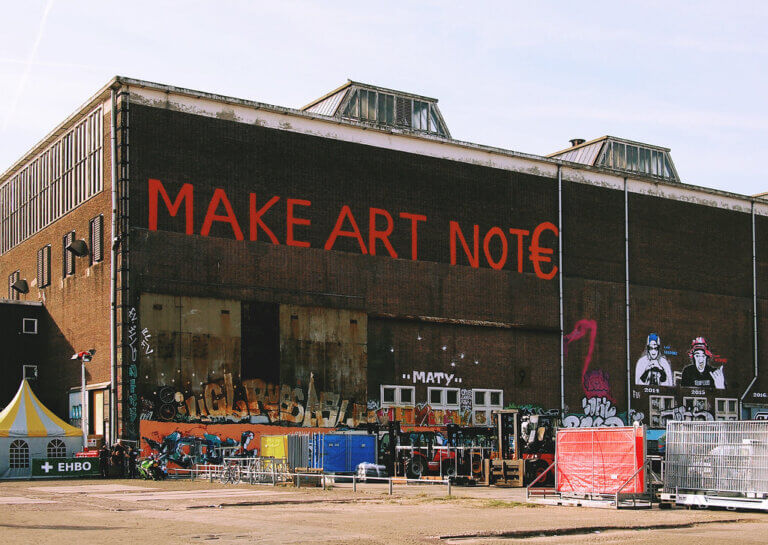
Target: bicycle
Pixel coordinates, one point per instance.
(230, 473)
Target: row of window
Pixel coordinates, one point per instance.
(378, 107)
(66, 174)
(483, 401)
(662, 406)
(96, 252)
(18, 452)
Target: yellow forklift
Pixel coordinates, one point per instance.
(506, 467)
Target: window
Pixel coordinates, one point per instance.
(388, 109)
(60, 178)
(484, 402)
(44, 266)
(658, 405)
(696, 404)
(397, 395)
(29, 326)
(12, 293)
(726, 409)
(56, 449)
(97, 239)
(68, 258)
(443, 398)
(18, 454)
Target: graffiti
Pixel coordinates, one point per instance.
(598, 411)
(595, 382)
(132, 372)
(699, 374)
(346, 231)
(425, 415)
(465, 399)
(686, 413)
(534, 410)
(653, 369)
(145, 336)
(185, 444)
(429, 377)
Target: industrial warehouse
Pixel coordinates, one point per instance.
(222, 266)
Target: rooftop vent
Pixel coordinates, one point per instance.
(620, 154)
(382, 107)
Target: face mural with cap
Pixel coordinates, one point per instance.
(700, 373)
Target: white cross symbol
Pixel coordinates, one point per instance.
(46, 467)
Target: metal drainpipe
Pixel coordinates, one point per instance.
(113, 282)
(754, 311)
(626, 298)
(560, 279)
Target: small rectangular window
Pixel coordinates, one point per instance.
(68, 258)
(44, 266)
(12, 293)
(29, 326)
(97, 239)
(397, 395)
(443, 398)
(660, 408)
(726, 409)
(486, 401)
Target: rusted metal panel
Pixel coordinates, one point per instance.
(191, 340)
(330, 344)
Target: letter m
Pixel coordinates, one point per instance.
(185, 195)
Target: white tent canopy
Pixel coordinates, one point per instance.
(28, 430)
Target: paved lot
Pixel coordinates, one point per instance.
(196, 512)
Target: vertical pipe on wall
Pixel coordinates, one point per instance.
(560, 280)
(754, 311)
(113, 280)
(626, 298)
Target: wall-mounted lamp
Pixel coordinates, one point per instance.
(21, 286)
(78, 247)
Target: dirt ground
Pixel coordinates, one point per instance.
(126, 511)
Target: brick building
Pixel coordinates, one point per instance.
(350, 262)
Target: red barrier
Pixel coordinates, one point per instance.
(600, 460)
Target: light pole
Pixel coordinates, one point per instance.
(85, 356)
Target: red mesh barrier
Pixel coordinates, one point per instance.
(600, 460)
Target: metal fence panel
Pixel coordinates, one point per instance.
(729, 457)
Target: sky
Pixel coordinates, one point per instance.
(519, 75)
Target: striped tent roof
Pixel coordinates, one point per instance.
(25, 416)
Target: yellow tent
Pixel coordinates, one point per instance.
(28, 429)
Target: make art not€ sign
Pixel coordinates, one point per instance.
(496, 247)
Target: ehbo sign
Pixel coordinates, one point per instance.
(65, 467)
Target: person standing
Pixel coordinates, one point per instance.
(104, 461)
(133, 455)
(118, 458)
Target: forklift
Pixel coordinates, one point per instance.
(505, 467)
(522, 452)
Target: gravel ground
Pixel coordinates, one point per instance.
(122, 511)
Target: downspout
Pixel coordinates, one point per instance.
(560, 280)
(626, 299)
(754, 312)
(113, 280)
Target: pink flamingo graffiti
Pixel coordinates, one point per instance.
(595, 382)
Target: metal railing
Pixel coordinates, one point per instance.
(275, 471)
